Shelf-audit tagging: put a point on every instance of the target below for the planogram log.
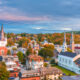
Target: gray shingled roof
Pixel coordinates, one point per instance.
(68, 54)
(71, 78)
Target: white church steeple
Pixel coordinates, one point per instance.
(72, 42)
(64, 47)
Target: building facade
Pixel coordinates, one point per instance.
(34, 62)
(70, 61)
(3, 43)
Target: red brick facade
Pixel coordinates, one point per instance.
(3, 51)
(31, 78)
(14, 74)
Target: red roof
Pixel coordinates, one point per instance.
(77, 47)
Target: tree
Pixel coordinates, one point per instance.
(20, 56)
(49, 46)
(35, 52)
(29, 51)
(22, 41)
(46, 53)
(10, 42)
(69, 50)
(9, 52)
(24, 44)
(14, 48)
(45, 64)
(4, 74)
(53, 62)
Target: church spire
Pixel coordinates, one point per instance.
(72, 42)
(64, 47)
(2, 33)
(64, 37)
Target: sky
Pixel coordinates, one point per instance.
(39, 16)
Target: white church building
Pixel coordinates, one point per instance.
(69, 60)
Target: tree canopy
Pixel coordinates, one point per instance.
(46, 53)
(49, 46)
(4, 74)
(20, 56)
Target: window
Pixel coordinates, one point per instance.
(69, 62)
(2, 52)
(65, 60)
(60, 58)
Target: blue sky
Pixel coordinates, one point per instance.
(39, 16)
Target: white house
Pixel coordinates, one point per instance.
(34, 62)
(70, 61)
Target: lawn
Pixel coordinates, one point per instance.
(67, 72)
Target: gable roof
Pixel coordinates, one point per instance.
(68, 54)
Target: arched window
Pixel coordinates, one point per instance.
(2, 52)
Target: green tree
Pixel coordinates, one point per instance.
(49, 46)
(9, 52)
(4, 74)
(53, 62)
(46, 53)
(69, 50)
(20, 56)
(45, 64)
(29, 51)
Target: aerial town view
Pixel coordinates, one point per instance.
(39, 39)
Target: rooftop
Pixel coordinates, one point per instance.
(35, 57)
(71, 78)
(68, 54)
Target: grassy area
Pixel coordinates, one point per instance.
(67, 72)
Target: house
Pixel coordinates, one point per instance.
(50, 73)
(34, 45)
(12, 65)
(34, 62)
(70, 61)
(30, 75)
(46, 42)
(23, 50)
(77, 50)
(71, 77)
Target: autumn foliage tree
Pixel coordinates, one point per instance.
(24, 44)
(49, 46)
(46, 53)
(10, 42)
(29, 51)
(4, 74)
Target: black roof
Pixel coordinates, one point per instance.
(1, 58)
(68, 54)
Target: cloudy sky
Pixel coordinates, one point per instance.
(39, 16)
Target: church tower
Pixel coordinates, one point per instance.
(2, 34)
(3, 43)
(64, 47)
(72, 42)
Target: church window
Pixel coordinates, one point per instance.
(2, 52)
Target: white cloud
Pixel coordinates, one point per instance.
(67, 29)
(38, 28)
